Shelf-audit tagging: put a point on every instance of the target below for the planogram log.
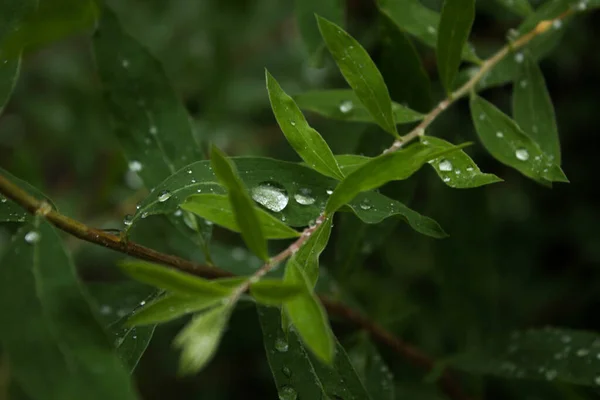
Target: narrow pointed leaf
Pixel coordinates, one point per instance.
(131, 342)
(457, 169)
(307, 257)
(308, 316)
(216, 208)
(200, 338)
(380, 170)
(533, 110)
(293, 181)
(171, 306)
(419, 21)
(171, 280)
(274, 291)
(294, 367)
(56, 346)
(344, 105)
(9, 74)
(360, 72)
(454, 28)
(549, 354)
(306, 141)
(519, 7)
(305, 11)
(507, 143)
(245, 214)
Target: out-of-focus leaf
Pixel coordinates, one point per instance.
(244, 212)
(308, 316)
(9, 74)
(171, 306)
(48, 22)
(457, 169)
(305, 11)
(57, 347)
(455, 24)
(200, 338)
(544, 354)
(171, 280)
(216, 208)
(292, 192)
(11, 211)
(297, 373)
(507, 143)
(533, 110)
(519, 7)
(274, 291)
(307, 258)
(306, 141)
(344, 105)
(360, 72)
(402, 69)
(380, 170)
(374, 373)
(416, 19)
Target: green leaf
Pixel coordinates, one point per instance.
(419, 21)
(308, 316)
(200, 338)
(307, 257)
(9, 74)
(274, 291)
(131, 342)
(533, 110)
(454, 28)
(457, 169)
(216, 208)
(373, 371)
(548, 354)
(507, 143)
(11, 211)
(305, 11)
(46, 23)
(171, 306)
(246, 216)
(171, 280)
(298, 373)
(57, 347)
(344, 105)
(285, 183)
(519, 7)
(360, 72)
(398, 165)
(306, 141)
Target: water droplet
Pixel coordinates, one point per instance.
(293, 123)
(286, 371)
(431, 29)
(499, 135)
(281, 345)
(144, 214)
(189, 171)
(125, 63)
(582, 5)
(329, 192)
(519, 57)
(481, 117)
(522, 154)
(523, 83)
(446, 179)
(3, 199)
(271, 196)
(551, 374)
(346, 106)
(470, 169)
(142, 302)
(287, 393)
(557, 24)
(153, 130)
(178, 213)
(135, 166)
(164, 196)
(365, 204)
(32, 237)
(304, 197)
(128, 220)
(445, 165)
(238, 254)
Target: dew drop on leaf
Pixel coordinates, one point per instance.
(346, 106)
(164, 196)
(281, 345)
(135, 166)
(499, 135)
(522, 154)
(304, 197)
(128, 220)
(270, 196)
(365, 204)
(3, 199)
(153, 130)
(32, 237)
(288, 393)
(445, 165)
(519, 57)
(286, 371)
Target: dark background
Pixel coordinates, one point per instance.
(519, 255)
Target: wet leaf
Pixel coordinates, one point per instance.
(274, 291)
(307, 257)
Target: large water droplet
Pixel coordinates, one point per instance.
(365, 204)
(3, 199)
(346, 106)
(445, 165)
(271, 196)
(304, 197)
(32, 237)
(281, 345)
(164, 196)
(288, 393)
(128, 220)
(135, 166)
(522, 154)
